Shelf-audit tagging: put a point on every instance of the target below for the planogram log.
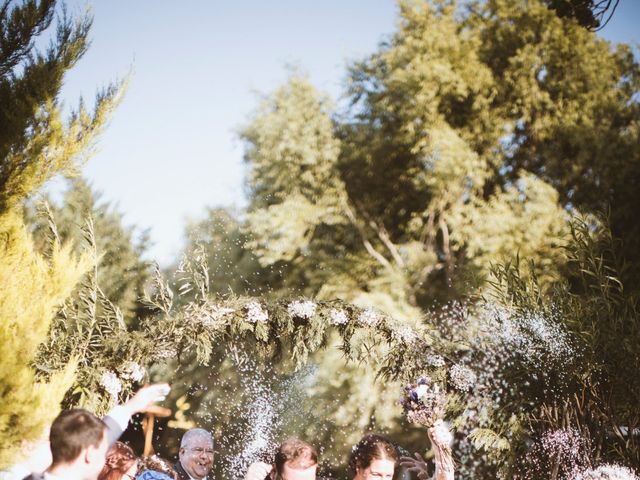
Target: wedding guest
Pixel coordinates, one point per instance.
(121, 463)
(195, 458)
(79, 441)
(294, 460)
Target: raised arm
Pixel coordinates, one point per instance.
(441, 437)
(440, 441)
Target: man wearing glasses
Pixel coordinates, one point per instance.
(195, 459)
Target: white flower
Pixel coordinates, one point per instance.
(111, 383)
(607, 472)
(405, 334)
(462, 378)
(255, 313)
(302, 309)
(132, 371)
(435, 360)
(369, 317)
(338, 317)
(421, 390)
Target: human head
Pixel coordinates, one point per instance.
(78, 439)
(196, 453)
(373, 457)
(296, 460)
(121, 463)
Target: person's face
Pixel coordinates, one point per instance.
(196, 457)
(379, 469)
(291, 473)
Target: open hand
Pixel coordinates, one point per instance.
(258, 471)
(146, 396)
(415, 465)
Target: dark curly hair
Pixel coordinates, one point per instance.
(120, 458)
(371, 447)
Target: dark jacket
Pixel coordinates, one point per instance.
(182, 474)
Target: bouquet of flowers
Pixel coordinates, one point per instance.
(424, 402)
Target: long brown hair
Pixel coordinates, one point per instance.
(120, 458)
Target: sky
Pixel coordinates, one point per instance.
(197, 69)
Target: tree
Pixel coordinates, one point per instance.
(428, 128)
(570, 99)
(471, 138)
(232, 266)
(123, 273)
(591, 14)
(35, 145)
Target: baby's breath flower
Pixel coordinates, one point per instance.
(255, 313)
(462, 377)
(435, 360)
(302, 309)
(132, 371)
(369, 317)
(607, 472)
(111, 383)
(338, 317)
(405, 334)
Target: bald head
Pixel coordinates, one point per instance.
(196, 453)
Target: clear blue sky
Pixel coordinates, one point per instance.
(171, 148)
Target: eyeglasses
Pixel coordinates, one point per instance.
(200, 451)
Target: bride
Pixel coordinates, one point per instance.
(375, 458)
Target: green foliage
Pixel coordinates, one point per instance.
(571, 102)
(232, 266)
(35, 145)
(601, 401)
(123, 272)
(591, 14)
(88, 331)
(33, 289)
(484, 438)
(471, 138)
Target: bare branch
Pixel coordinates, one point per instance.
(367, 244)
(384, 236)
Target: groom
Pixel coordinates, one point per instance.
(294, 460)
